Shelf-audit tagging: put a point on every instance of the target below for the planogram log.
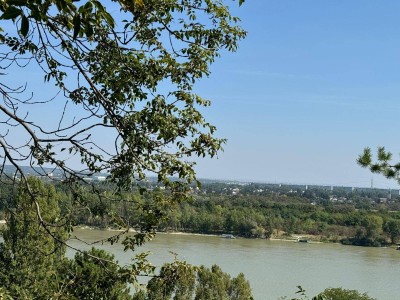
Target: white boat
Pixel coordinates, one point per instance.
(228, 236)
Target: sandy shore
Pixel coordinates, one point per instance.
(186, 233)
(292, 238)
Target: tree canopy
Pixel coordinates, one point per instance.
(344, 294)
(29, 255)
(180, 280)
(120, 77)
(130, 76)
(123, 75)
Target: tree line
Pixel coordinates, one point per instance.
(249, 216)
(270, 216)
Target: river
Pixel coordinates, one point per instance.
(275, 268)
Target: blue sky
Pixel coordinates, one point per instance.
(312, 85)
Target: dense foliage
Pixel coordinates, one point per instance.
(271, 215)
(121, 88)
(129, 77)
(361, 219)
(344, 294)
(182, 281)
(30, 254)
(119, 77)
(357, 218)
(33, 264)
(331, 294)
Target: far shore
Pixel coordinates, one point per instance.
(311, 239)
(292, 238)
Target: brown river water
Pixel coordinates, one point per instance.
(274, 268)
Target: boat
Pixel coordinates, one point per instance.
(302, 241)
(228, 236)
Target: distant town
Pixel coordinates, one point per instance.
(315, 193)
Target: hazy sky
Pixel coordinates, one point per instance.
(312, 85)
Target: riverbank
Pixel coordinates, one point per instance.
(274, 268)
(279, 236)
(293, 237)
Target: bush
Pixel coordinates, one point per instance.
(343, 294)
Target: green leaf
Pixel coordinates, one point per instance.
(24, 25)
(383, 155)
(109, 19)
(366, 158)
(11, 13)
(77, 25)
(88, 30)
(17, 2)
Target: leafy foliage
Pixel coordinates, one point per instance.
(30, 255)
(344, 294)
(383, 165)
(95, 275)
(182, 281)
(4, 295)
(392, 227)
(122, 68)
(332, 294)
(123, 85)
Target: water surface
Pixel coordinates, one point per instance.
(275, 268)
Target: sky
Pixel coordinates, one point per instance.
(313, 84)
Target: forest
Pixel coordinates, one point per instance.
(255, 211)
